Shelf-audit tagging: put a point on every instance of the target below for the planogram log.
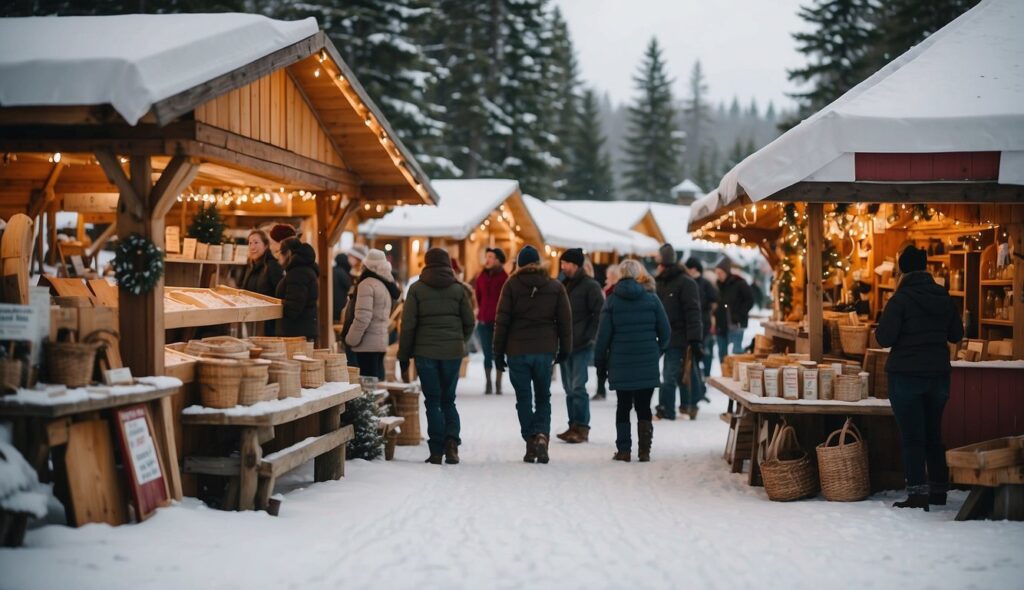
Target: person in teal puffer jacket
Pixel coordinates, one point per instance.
(633, 333)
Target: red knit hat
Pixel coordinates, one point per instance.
(282, 232)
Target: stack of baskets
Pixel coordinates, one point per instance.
(226, 383)
(253, 386)
(843, 466)
(335, 365)
(224, 347)
(287, 375)
(787, 471)
(297, 345)
(312, 371)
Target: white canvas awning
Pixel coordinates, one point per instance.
(464, 205)
(561, 229)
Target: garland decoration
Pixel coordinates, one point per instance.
(138, 264)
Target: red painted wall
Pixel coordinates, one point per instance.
(984, 403)
(951, 166)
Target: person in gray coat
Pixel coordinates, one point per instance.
(376, 293)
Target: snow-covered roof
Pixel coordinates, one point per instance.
(130, 61)
(673, 221)
(561, 229)
(464, 205)
(687, 186)
(959, 90)
(618, 215)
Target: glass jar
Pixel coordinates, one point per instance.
(989, 310)
(998, 307)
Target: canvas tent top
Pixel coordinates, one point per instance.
(464, 205)
(619, 215)
(687, 186)
(561, 229)
(959, 92)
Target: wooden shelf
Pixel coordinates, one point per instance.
(886, 288)
(994, 322)
(997, 283)
(191, 318)
(178, 260)
(939, 258)
(957, 294)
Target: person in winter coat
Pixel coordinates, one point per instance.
(342, 284)
(437, 320)
(586, 300)
(298, 290)
(376, 293)
(278, 234)
(355, 256)
(917, 323)
(735, 299)
(708, 305)
(611, 277)
(262, 271)
(634, 333)
(679, 295)
(487, 289)
(533, 327)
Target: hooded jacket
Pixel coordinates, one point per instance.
(917, 323)
(342, 284)
(678, 293)
(586, 300)
(735, 300)
(487, 289)
(263, 275)
(375, 295)
(634, 333)
(299, 291)
(437, 319)
(534, 316)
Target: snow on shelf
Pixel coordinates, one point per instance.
(20, 490)
(43, 397)
(464, 205)
(988, 364)
(271, 406)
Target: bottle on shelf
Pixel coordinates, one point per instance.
(989, 310)
(990, 271)
(998, 306)
(967, 322)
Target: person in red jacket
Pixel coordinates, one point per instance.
(487, 287)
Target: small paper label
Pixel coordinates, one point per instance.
(122, 376)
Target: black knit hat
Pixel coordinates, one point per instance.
(437, 256)
(498, 253)
(667, 254)
(725, 264)
(573, 255)
(694, 263)
(913, 259)
(528, 255)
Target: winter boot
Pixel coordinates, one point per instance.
(568, 434)
(937, 498)
(602, 393)
(531, 450)
(451, 451)
(621, 456)
(914, 501)
(692, 412)
(645, 435)
(542, 448)
(577, 434)
(489, 388)
(659, 413)
(434, 459)
(623, 442)
(497, 383)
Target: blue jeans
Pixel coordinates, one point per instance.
(486, 334)
(438, 379)
(530, 375)
(918, 403)
(669, 379)
(574, 381)
(709, 354)
(734, 337)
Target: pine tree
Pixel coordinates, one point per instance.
(208, 226)
(565, 101)
(652, 150)
(367, 442)
(736, 155)
(749, 147)
(769, 114)
(703, 174)
(836, 49)
(734, 108)
(590, 169)
(697, 114)
(905, 23)
(752, 111)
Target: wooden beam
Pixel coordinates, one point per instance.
(268, 168)
(130, 200)
(316, 114)
(900, 192)
(813, 295)
(103, 238)
(325, 305)
(178, 174)
(42, 197)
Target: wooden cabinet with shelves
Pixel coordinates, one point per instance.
(995, 294)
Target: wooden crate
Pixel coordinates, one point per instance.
(991, 454)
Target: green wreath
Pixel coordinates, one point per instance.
(138, 264)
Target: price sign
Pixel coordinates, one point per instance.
(145, 475)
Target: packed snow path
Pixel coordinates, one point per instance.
(495, 522)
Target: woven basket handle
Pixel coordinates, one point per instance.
(783, 439)
(848, 428)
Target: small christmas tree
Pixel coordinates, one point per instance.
(364, 415)
(207, 226)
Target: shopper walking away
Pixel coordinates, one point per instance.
(634, 333)
(437, 320)
(355, 256)
(262, 272)
(487, 289)
(611, 277)
(917, 323)
(678, 294)
(735, 299)
(708, 305)
(342, 284)
(298, 290)
(586, 300)
(533, 326)
(376, 293)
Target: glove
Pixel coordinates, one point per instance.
(500, 364)
(698, 350)
(561, 357)
(404, 368)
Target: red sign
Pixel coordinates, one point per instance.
(141, 460)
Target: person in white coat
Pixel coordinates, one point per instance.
(376, 293)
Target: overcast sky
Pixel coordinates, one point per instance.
(744, 46)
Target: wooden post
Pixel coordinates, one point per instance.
(51, 229)
(325, 305)
(813, 296)
(330, 465)
(1016, 236)
(248, 474)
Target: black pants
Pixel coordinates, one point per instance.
(918, 403)
(640, 399)
(371, 364)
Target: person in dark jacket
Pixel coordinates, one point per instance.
(487, 289)
(917, 323)
(611, 277)
(679, 295)
(735, 300)
(342, 284)
(278, 234)
(634, 333)
(262, 271)
(298, 290)
(708, 305)
(533, 326)
(586, 301)
(437, 320)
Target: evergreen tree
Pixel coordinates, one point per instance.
(736, 155)
(106, 7)
(697, 115)
(749, 147)
(734, 108)
(564, 102)
(208, 226)
(905, 23)
(590, 168)
(752, 111)
(367, 442)
(769, 113)
(703, 174)
(652, 150)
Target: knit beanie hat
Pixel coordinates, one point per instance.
(913, 259)
(573, 255)
(694, 263)
(528, 255)
(358, 252)
(438, 256)
(667, 253)
(282, 232)
(378, 263)
(725, 264)
(498, 253)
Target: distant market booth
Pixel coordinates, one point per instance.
(929, 150)
(128, 120)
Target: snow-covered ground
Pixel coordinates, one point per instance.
(681, 521)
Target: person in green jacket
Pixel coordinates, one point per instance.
(437, 321)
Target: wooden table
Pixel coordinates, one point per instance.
(254, 426)
(44, 425)
(810, 419)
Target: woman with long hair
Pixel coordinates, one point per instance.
(262, 271)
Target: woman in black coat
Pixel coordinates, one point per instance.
(298, 290)
(917, 324)
(263, 272)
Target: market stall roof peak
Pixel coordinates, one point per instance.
(562, 229)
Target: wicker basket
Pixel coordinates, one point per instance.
(288, 375)
(252, 387)
(407, 405)
(10, 375)
(335, 368)
(312, 371)
(854, 339)
(353, 374)
(787, 471)
(269, 344)
(217, 349)
(219, 382)
(847, 388)
(844, 467)
(71, 363)
(294, 345)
